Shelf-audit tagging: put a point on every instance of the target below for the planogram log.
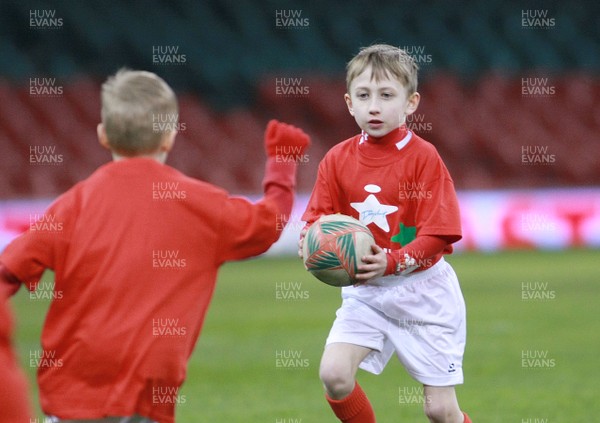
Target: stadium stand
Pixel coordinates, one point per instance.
(477, 64)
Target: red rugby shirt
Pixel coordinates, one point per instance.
(135, 249)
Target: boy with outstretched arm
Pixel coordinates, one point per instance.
(135, 249)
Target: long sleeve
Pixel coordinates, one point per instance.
(9, 283)
(320, 202)
(422, 249)
(279, 183)
(41, 247)
(251, 229)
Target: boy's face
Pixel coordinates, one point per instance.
(379, 106)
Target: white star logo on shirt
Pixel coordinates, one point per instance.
(372, 211)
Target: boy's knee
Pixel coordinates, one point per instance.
(338, 382)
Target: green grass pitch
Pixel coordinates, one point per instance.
(533, 336)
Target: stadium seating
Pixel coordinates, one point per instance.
(473, 107)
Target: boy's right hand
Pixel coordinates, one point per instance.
(285, 141)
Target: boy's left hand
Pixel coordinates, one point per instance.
(373, 265)
(301, 242)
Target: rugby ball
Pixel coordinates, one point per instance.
(333, 248)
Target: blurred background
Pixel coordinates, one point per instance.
(510, 97)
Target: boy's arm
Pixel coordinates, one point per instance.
(438, 223)
(284, 144)
(250, 229)
(9, 284)
(414, 255)
(25, 258)
(320, 202)
(24, 261)
(402, 261)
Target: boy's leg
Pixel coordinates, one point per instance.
(441, 405)
(339, 365)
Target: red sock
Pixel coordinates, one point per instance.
(355, 408)
(467, 419)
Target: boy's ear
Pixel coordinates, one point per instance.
(348, 101)
(102, 138)
(413, 103)
(168, 139)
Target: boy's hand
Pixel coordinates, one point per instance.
(284, 141)
(374, 265)
(301, 243)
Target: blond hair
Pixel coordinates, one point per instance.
(132, 103)
(386, 62)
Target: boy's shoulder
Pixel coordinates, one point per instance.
(424, 146)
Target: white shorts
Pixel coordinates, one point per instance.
(421, 317)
